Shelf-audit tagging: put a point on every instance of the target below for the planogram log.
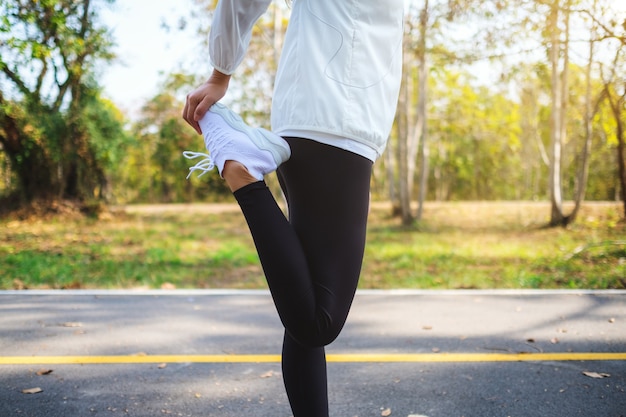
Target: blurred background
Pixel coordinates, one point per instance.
(502, 101)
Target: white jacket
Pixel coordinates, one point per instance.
(340, 69)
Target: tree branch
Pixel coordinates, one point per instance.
(22, 87)
(609, 31)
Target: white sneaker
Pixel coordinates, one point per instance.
(227, 137)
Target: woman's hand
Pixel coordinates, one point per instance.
(202, 98)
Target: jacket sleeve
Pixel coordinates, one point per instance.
(231, 31)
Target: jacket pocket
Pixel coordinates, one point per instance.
(361, 39)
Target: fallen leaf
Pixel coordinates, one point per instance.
(427, 327)
(19, 285)
(44, 372)
(268, 374)
(554, 340)
(596, 375)
(612, 320)
(530, 340)
(162, 366)
(386, 412)
(32, 391)
(197, 395)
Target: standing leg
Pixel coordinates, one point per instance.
(304, 375)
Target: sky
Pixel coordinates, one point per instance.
(145, 49)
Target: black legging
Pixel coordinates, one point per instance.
(313, 260)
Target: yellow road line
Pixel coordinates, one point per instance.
(344, 358)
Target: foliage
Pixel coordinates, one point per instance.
(153, 169)
(459, 245)
(488, 105)
(49, 97)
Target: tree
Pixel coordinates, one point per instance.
(421, 127)
(614, 32)
(559, 101)
(412, 131)
(558, 52)
(48, 54)
(615, 88)
(154, 169)
(583, 173)
(550, 24)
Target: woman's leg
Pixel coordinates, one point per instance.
(312, 262)
(304, 375)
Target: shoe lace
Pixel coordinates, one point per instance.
(205, 165)
(219, 140)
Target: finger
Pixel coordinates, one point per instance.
(188, 117)
(195, 125)
(185, 110)
(202, 108)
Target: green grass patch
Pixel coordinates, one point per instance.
(455, 246)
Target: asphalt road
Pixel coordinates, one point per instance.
(203, 353)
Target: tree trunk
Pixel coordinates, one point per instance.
(617, 106)
(620, 160)
(557, 118)
(404, 192)
(583, 173)
(390, 167)
(421, 112)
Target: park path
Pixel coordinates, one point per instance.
(402, 353)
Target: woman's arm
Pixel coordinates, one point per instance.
(229, 38)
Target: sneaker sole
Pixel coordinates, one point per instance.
(262, 138)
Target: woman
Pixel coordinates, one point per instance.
(333, 107)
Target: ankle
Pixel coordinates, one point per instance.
(236, 175)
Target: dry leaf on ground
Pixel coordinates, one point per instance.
(36, 390)
(596, 375)
(386, 412)
(44, 372)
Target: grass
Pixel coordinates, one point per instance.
(457, 245)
